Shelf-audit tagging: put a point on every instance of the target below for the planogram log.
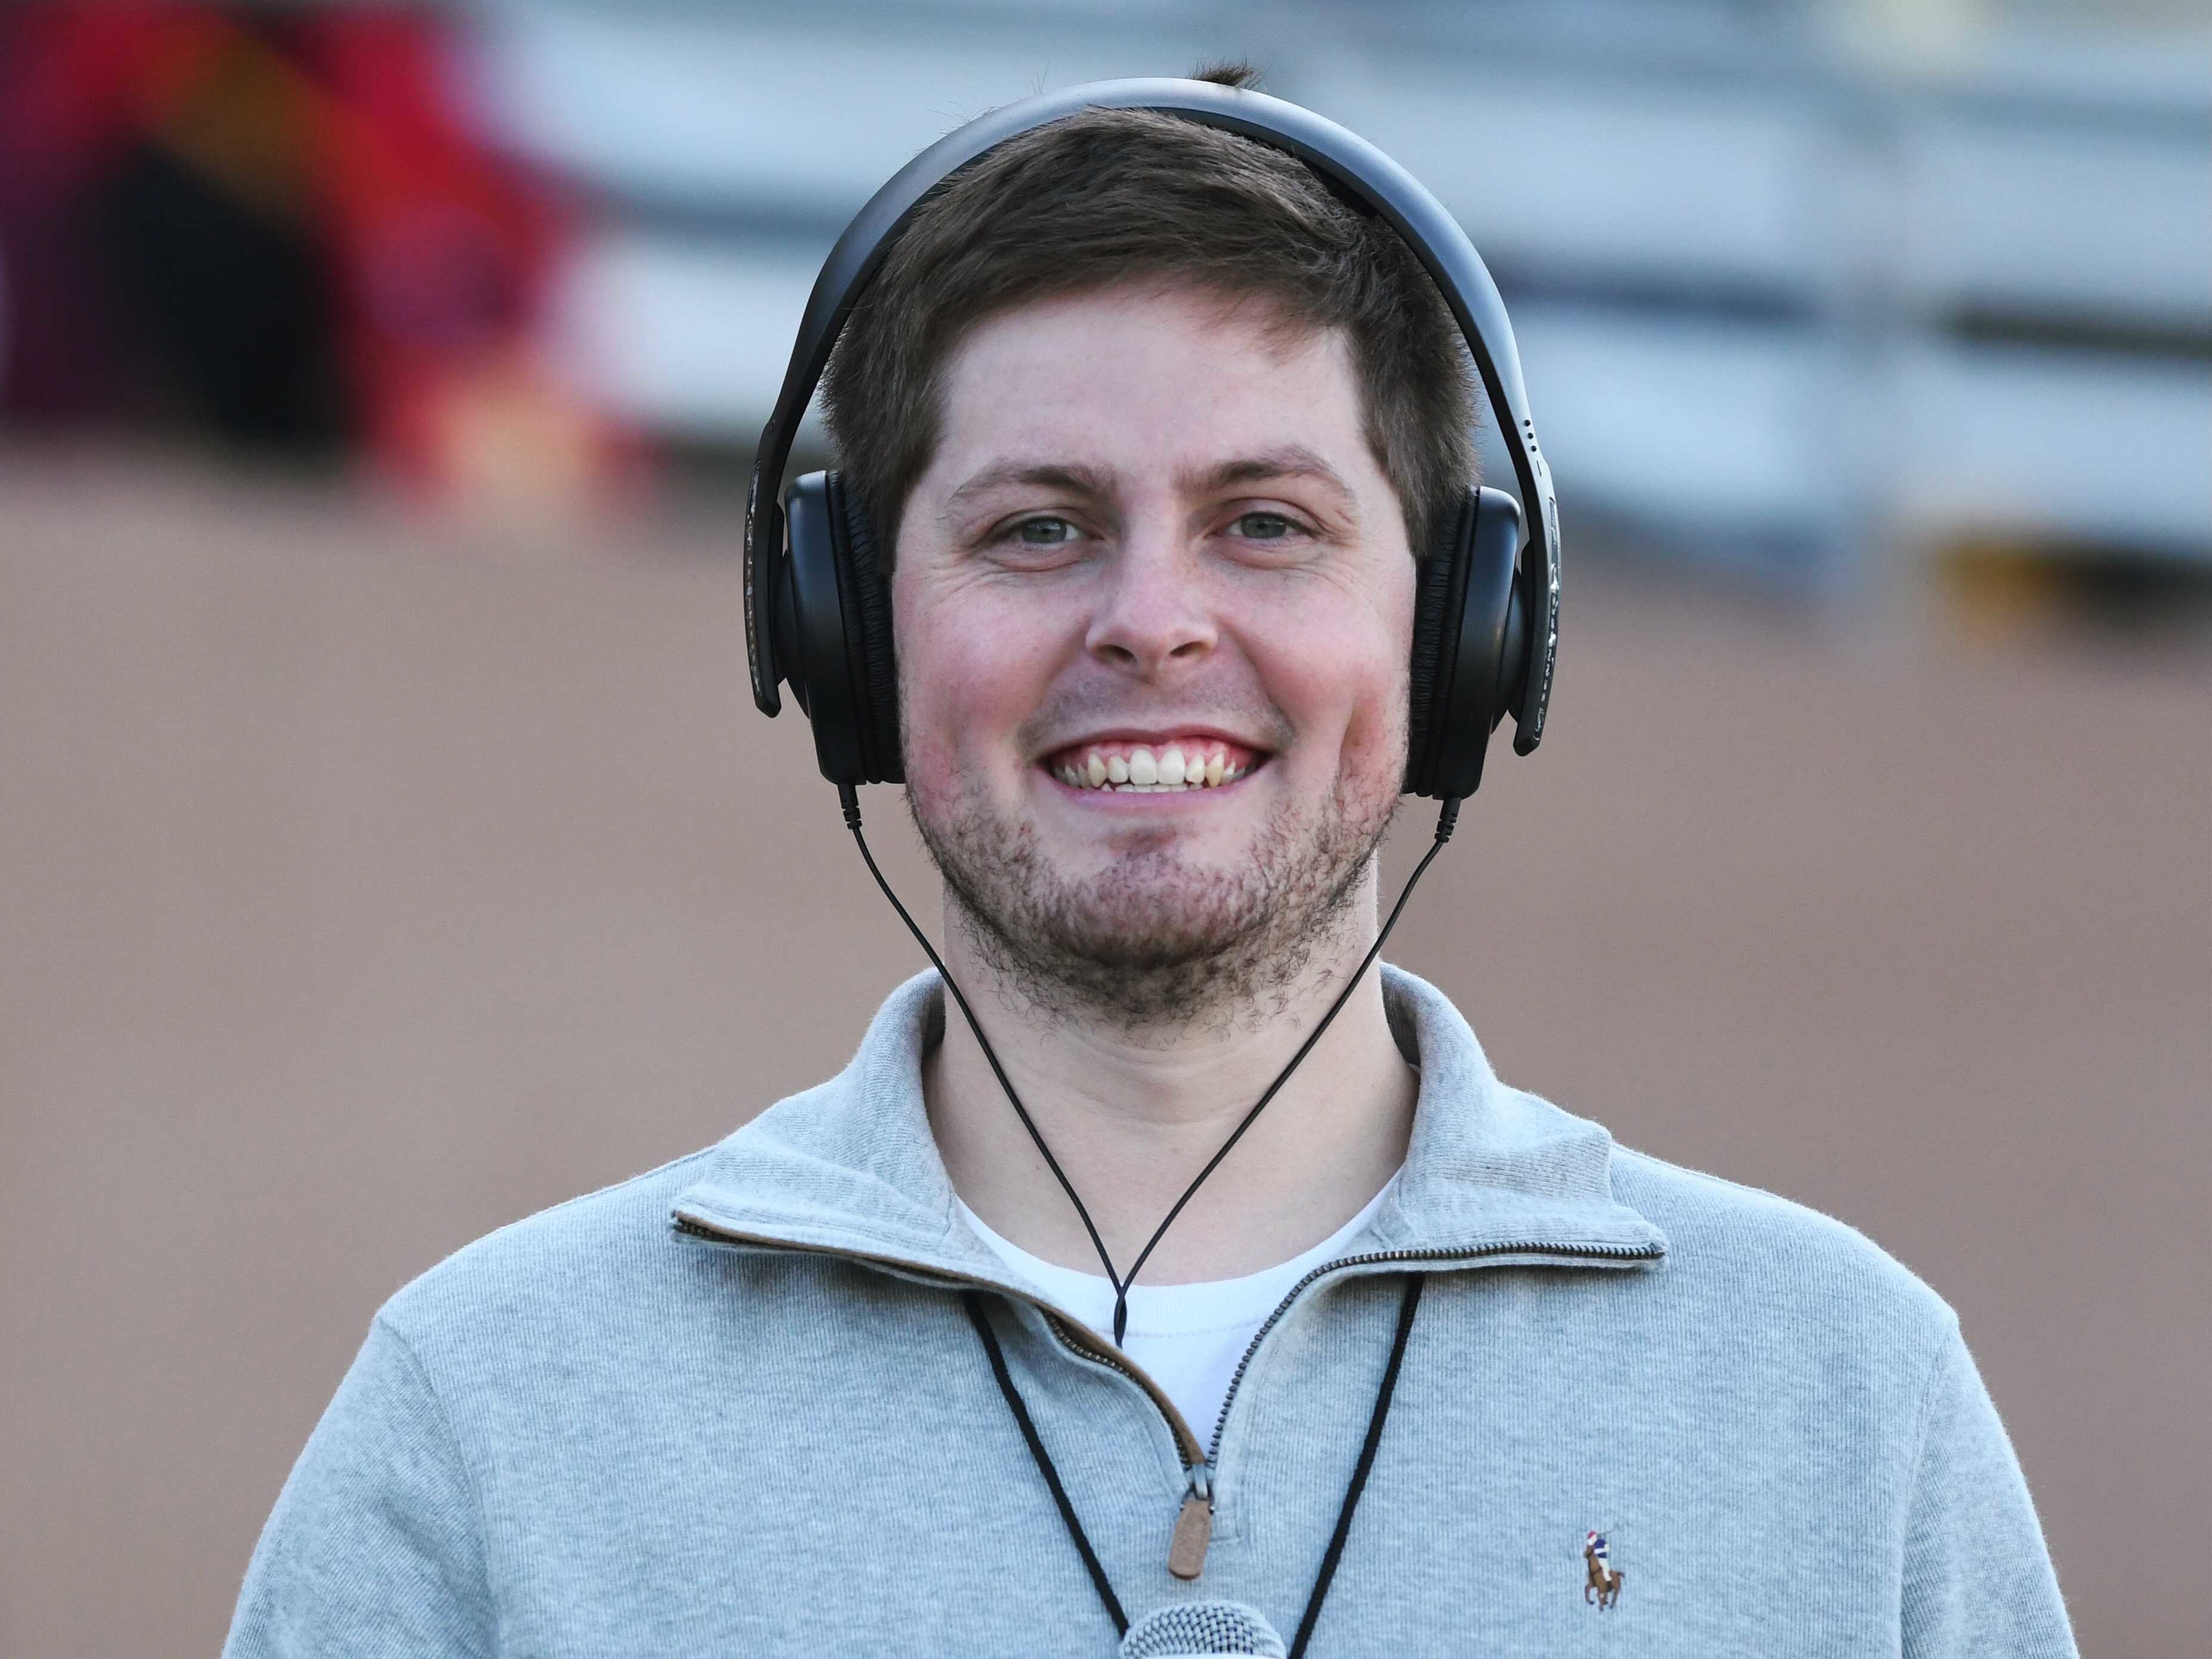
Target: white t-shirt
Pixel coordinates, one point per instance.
(1187, 1338)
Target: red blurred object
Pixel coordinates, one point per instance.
(290, 224)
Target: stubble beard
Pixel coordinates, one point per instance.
(1152, 945)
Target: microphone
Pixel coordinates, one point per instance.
(1192, 1629)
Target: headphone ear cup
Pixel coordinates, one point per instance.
(1440, 578)
(868, 625)
(1460, 682)
(834, 616)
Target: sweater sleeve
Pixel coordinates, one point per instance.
(375, 1545)
(1978, 1578)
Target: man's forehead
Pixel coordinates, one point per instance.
(1078, 356)
(1265, 325)
(1133, 386)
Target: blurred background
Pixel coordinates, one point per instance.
(387, 847)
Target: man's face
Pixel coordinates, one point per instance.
(1153, 538)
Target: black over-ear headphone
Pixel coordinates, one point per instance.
(1486, 614)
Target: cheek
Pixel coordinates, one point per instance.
(1348, 687)
(1382, 708)
(1375, 736)
(966, 687)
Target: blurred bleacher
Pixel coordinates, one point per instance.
(1855, 300)
(1794, 284)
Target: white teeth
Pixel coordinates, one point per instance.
(1144, 770)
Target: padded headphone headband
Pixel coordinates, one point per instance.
(1346, 162)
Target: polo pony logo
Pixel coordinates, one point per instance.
(1603, 1584)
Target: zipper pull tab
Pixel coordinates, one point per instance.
(1194, 1527)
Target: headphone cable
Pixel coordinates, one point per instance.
(848, 797)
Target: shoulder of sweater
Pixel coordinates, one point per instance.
(558, 1267)
(1751, 1248)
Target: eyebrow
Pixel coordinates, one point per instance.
(1080, 480)
(1288, 461)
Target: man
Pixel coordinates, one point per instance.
(1159, 430)
(1600, 1558)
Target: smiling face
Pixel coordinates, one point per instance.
(1153, 602)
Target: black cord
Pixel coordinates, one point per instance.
(848, 797)
(1410, 1302)
(1360, 1474)
(1445, 820)
(974, 1303)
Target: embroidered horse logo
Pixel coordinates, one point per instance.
(1603, 1584)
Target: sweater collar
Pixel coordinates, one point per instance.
(850, 1167)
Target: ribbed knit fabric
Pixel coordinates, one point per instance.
(776, 1433)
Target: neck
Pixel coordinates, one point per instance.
(1132, 1114)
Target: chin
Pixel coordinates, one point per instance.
(1152, 911)
(1155, 922)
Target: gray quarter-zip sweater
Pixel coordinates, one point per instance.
(737, 1406)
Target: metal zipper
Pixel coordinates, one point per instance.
(1604, 1252)
(1194, 1526)
(1077, 1341)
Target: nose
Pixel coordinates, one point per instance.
(1154, 617)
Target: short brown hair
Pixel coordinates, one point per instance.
(1107, 195)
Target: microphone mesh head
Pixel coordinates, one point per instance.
(1201, 1627)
